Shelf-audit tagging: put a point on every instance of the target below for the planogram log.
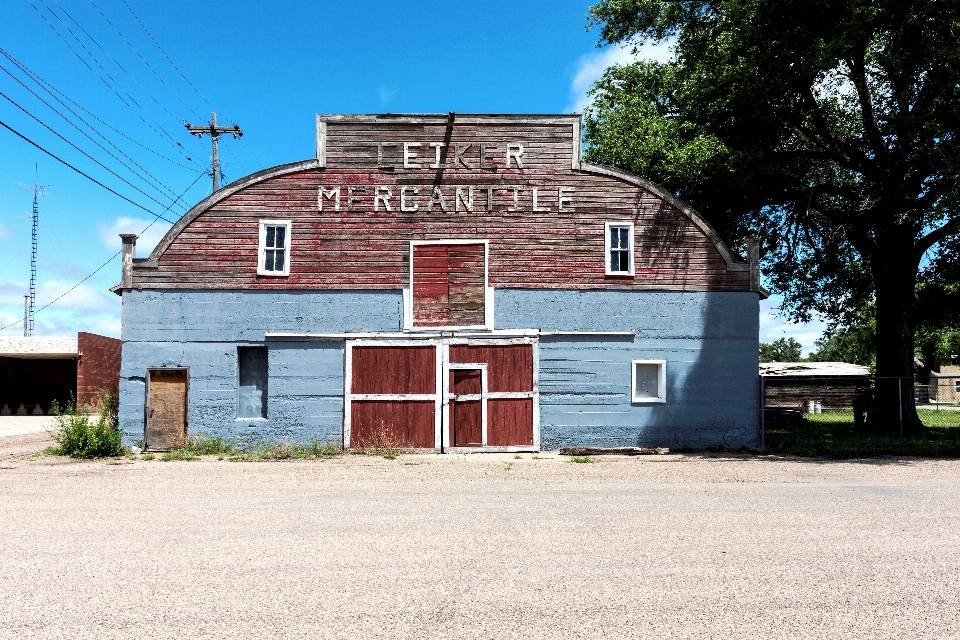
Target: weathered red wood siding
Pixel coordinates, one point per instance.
(448, 285)
(368, 248)
(509, 367)
(394, 370)
(375, 423)
(509, 422)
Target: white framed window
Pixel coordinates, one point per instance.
(648, 381)
(956, 386)
(274, 253)
(618, 239)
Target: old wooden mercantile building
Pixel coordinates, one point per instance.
(448, 282)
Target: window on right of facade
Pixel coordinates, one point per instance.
(619, 242)
(648, 382)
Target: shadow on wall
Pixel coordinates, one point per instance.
(712, 384)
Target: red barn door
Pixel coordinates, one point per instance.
(393, 396)
(509, 394)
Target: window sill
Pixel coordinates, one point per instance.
(619, 274)
(648, 401)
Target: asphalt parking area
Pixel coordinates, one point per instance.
(484, 546)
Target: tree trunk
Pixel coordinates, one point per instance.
(894, 410)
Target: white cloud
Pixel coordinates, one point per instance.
(386, 94)
(124, 224)
(82, 309)
(773, 327)
(591, 67)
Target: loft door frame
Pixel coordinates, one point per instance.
(349, 397)
(408, 321)
(146, 401)
(448, 396)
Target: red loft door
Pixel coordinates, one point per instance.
(449, 285)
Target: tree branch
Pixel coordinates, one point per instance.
(858, 76)
(936, 236)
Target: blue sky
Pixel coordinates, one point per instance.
(268, 67)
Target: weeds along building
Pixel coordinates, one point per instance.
(449, 282)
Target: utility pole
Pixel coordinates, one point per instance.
(28, 312)
(214, 132)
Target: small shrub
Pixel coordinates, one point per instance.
(381, 444)
(517, 456)
(78, 436)
(201, 446)
(147, 456)
(508, 465)
(582, 459)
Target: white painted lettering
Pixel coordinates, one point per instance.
(514, 150)
(460, 149)
(380, 146)
(565, 199)
(382, 194)
(329, 194)
(409, 155)
(403, 199)
(437, 197)
(485, 149)
(438, 164)
(466, 199)
(351, 199)
(536, 205)
(489, 189)
(516, 199)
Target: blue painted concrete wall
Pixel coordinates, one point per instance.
(710, 343)
(708, 339)
(202, 330)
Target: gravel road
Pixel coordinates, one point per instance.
(484, 546)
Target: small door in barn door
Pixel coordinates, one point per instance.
(166, 409)
(467, 406)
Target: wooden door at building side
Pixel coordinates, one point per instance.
(166, 409)
(393, 397)
(509, 393)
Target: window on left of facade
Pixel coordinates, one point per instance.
(274, 251)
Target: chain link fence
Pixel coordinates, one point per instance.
(825, 415)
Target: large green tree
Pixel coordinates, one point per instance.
(828, 127)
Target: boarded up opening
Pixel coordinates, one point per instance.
(449, 285)
(388, 406)
(166, 423)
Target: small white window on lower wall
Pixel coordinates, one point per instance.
(273, 257)
(648, 382)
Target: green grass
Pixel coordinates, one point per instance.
(147, 456)
(199, 445)
(582, 459)
(832, 435)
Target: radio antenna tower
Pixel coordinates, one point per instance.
(31, 305)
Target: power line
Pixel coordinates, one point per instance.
(111, 258)
(185, 79)
(161, 131)
(161, 188)
(62, 161)
(115, 61)
(125, 181)
(46, 86)
(144, 60)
